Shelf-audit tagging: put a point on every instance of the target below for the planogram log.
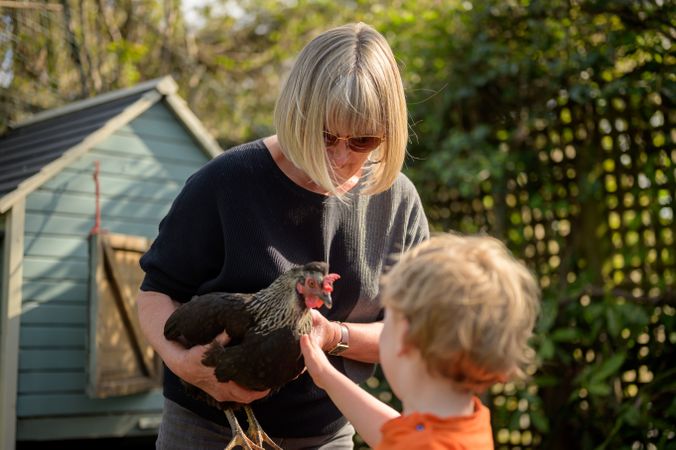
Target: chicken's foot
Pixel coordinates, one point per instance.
(256, 432)
(238, 436)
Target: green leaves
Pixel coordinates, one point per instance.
(548, 123)
(546, 348)
(607, 368)
(570, 335)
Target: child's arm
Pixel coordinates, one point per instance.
(366, 413)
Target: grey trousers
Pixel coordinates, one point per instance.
(181, 429)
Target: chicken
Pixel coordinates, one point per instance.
(264, 330)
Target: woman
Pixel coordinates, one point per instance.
(328, 186)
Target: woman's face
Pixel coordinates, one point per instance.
(345, 162)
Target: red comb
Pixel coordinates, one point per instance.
(327, 286)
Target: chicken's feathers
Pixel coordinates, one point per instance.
(267, 359)
(200, 320)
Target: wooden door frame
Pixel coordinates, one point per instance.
(103, 267)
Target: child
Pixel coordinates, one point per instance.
(459, 312)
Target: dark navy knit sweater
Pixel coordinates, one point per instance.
(239, 222)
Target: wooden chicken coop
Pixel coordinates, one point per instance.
(82, 190)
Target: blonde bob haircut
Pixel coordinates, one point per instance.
(344, 79)
(471, 308)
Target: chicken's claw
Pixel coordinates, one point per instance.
(238, 436)
(256, 432)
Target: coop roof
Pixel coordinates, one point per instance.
(33, 151)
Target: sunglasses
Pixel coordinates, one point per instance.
(358, 144)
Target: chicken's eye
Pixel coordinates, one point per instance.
(311, 283)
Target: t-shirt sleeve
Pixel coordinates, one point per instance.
(189, 248)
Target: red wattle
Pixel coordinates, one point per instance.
(313, 302)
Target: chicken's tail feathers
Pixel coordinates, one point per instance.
(220, 358)
(172, 330)
(213, 355)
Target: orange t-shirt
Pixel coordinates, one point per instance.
(426, 431)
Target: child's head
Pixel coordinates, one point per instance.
(470, 308)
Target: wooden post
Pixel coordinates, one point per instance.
(10, 317)
(97, 189)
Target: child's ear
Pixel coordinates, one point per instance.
(403, 345)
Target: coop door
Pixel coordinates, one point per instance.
(121, 361)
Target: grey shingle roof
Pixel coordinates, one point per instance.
(35, 150)
(25, 149)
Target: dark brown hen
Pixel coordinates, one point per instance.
(264, 330)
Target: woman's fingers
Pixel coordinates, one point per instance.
(240, 394)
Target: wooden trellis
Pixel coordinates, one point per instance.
(587, 201)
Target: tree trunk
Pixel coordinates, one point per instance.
(87, 53)
(74, 48)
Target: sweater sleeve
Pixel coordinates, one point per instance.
(415, 231)
(418, 228)
(189, 248)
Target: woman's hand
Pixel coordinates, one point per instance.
(194, 372)
(325, 333)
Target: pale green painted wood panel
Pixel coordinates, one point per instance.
(56, 225)
(134, 145)
(50, 359)
(89, 426)
(113, 186)
(62, 404)
(54, 382)
(151, 129)
(44, 201)
(160, 114)
(51, 313)
(43, 338)
(159, 111)
(72, 203)
(73, 248)
(55, 269)
(141, 168)
(63, 291)
(156, 127)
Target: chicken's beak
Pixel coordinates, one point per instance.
(326, 298)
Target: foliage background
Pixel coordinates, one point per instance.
(546, 123)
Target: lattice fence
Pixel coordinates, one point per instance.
(588, 203)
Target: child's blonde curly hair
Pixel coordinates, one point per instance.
(471, 308)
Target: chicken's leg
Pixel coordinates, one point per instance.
(238, 436)
(256, 432)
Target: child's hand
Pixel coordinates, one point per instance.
(317, 363)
